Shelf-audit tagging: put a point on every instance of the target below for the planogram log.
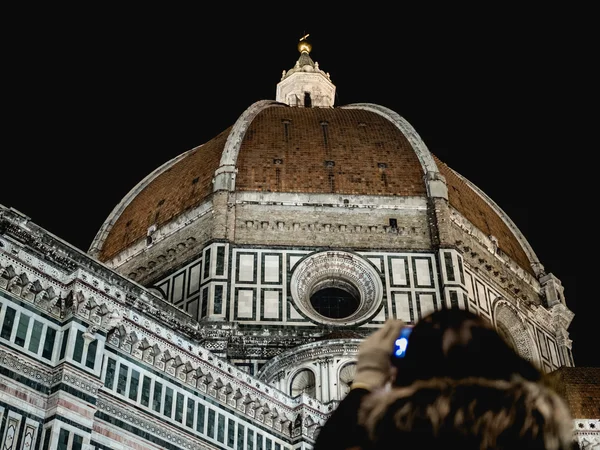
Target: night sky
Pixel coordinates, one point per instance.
(95, 100)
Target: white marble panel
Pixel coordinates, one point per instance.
(271, 305)
(482, 297)
(427, 304)
(195, 278)
(165, 288)
(469, 283)
(543, 344)
(402, 303)
(246, 269)
(11, 431)
(399, 271)
(272, 268)
(178, 288)
(245, 303)
(423, 273)
(29, 434)
(294, 260)
(553, 355)
(294, 314)
(377, 263)
(380, 315)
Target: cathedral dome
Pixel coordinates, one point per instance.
(301, 151)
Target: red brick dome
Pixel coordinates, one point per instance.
(357, 150)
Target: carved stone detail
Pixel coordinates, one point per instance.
(509, 320)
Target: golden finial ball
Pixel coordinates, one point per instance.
(304, 46)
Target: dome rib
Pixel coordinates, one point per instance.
(170, 191)
(327, 151)
(435, 184)
(488, 217)
(105, 229)
(225, 175)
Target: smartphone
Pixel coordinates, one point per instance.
(401, 343)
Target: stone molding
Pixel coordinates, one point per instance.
(500, 259)
(537, 267)
(225, 174)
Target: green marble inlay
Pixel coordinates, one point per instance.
(210, 429)
(204, 308)
(49, 343)
(145, 397)
(63, 439)
(200, 419)
(63, 345)
(206, 264)
(189, 416)
(122, 379)
(218, 299)
(47, 435)
(250, 440)
(240, 437)
(110, 373)
(449, 266)
(168, 411)
(179, 407)
(454, 299)
(156, 398)
(78, 349)
(221, 428)
(259, 441)
(77, 442)
(220, 269)
(9, 321)
(36, 336)
(134, 382)
(230, 432)
(90, 357)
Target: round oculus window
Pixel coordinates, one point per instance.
(338, 288)
(334, 303)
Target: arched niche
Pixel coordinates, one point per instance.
(345, 378)
(303, 382)
(513, 329)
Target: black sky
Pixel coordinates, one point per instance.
(96, 100)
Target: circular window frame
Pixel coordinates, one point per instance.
(330, 268)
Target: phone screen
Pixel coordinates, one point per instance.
(401, 343)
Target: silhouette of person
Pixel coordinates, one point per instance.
(459, 385)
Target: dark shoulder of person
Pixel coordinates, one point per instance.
(342, 431)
